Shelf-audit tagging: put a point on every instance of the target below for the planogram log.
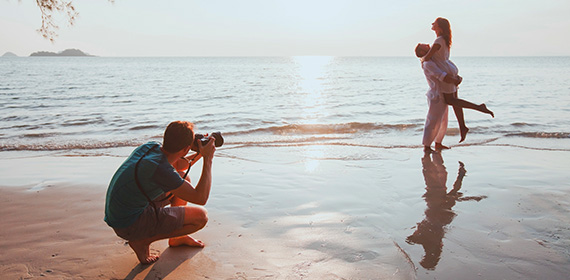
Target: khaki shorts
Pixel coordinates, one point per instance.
(147, 225)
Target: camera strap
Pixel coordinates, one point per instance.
(188, 170)
(189, 164)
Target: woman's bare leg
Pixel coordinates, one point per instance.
(451, 99)
(458, 105)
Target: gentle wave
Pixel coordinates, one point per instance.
(272, 136)
(238, 145)
(343, 128)
(40, 135)
(555, 135)
(289, 141)
(82, 122)
(520, 124)
(69, 146)
(143, 127)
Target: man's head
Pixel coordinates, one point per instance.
(178, 135)
(422, 49)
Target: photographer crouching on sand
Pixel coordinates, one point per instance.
(152, 177)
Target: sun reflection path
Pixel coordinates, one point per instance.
(313, 156)
(312, 73)
(312, 79)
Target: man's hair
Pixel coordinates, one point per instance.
(177, 136)
(419, 51)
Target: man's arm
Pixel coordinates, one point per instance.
(452, 80)
(201, 193)
(433, 70)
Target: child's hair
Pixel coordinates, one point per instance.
(446, 28)
(177, 136)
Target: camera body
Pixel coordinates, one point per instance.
(218, 140)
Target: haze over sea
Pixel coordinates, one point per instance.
(83, 103)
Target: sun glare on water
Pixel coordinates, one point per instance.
(312, 79)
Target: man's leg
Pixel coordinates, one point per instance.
(184, 239)
(189, 212)
(433, 124)
(195, 218)
(442, 130)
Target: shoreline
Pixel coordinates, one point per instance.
(301, 215)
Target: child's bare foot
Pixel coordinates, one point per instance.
(485, 110)
(463, 131)
(185, 240)
(142, 250)
(439, 147)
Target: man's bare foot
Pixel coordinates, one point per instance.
(428, 150)
(185, 240)
(463, 131)
(142, 250)
(439, 147)
(485, 110)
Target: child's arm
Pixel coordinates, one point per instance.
(432, 51)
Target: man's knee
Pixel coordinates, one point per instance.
(196, 215)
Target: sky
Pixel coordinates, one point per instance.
(128, 28)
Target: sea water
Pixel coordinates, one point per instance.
(84, 103)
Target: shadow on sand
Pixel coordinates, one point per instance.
(169, 260)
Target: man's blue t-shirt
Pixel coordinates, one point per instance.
(125, 202)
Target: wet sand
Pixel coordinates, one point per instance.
(313, 212)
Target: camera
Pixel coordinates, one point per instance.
(218, 140)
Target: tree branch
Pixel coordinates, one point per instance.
(48, 8)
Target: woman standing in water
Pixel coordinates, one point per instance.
(439, 53)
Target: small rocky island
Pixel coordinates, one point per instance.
(9, 54)
(68, 52)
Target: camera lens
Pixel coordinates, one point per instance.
(218, 140)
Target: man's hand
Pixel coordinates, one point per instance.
(207, 151)
(458, 80)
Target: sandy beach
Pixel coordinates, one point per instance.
(392, 215)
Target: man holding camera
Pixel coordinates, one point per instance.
(153, 177)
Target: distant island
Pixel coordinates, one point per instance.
(9, 54)
(68, 52)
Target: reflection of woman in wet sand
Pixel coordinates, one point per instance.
(439, 53)
(429, 232)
